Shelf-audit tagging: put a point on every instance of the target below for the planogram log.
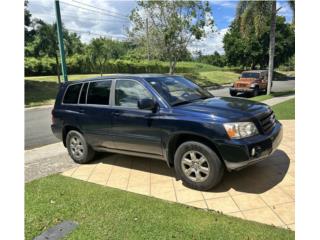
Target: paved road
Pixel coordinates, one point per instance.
(37, 128)
(37, 121)
(278, 86)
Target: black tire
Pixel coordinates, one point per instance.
(215, 166)
(85, 152)
(233, 93)
(255, 92)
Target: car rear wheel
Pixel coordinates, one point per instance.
(198, 166)
(78, 148)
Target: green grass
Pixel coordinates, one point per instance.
(107, 213)
(272, 95)
(285, 110)
(54, 78)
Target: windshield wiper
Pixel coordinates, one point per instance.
(181, 103)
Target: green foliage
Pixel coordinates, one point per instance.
(250, 51)
(171, 26)
(215, 59)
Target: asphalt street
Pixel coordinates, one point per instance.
(38, 120)
(37, 128)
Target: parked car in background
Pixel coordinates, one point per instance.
(251, 83)
(164, 117)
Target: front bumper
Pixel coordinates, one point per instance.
(238, 154)
(233, 89)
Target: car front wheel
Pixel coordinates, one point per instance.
(78, 148)
(198, 166)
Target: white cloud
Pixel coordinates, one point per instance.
(210, 44)
(223, 3)
(87, 23)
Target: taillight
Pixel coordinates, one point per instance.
(53, 121)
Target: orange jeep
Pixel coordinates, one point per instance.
(251, 82)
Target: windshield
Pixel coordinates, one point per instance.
(177, 90)
(250, 75)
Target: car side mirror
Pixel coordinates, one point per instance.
(147, 104)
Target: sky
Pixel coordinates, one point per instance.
(77, 16)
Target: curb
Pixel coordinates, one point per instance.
(218, 86)
(39, 107)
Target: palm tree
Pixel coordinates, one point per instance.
(253, 15)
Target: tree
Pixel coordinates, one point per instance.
(172, 25)
(45, 43)
(254, 14)
(98, 53)
(216, 59)
(251, 51)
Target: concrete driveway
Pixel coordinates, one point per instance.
(264, 192)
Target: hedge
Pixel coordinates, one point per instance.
(79, 64)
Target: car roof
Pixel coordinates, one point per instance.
(123, 76)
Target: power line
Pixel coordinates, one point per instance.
(91, 19)
(88, 9)
(105, 10)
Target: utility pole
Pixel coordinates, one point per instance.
(60, 40)
(148, 47)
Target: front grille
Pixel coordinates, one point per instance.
(242, 85)
(267, 121)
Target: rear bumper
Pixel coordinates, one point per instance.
(57, 131)
(232, 89)
(238, 154)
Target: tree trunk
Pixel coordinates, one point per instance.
(173, 63)
(58, 68)
(272, 45)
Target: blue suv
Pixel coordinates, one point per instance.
(164, 117)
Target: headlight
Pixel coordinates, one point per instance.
(253, 85)
(239, 130)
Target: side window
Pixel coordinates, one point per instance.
(83, 93)
(72, 94)
(128, 92)
(99, 92)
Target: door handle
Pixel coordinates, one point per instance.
(116, 114)
(81, 110)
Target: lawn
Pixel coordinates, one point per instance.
(272, 95)
(285, 110)
(107, 213)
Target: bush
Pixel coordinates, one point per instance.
(80, 64)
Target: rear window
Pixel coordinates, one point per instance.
(72, 94)
(99, 92)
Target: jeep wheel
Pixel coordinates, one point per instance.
(198, 166)
(233, 93)
(78, 148)
(255, 92)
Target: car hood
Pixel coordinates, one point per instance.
(233, 109)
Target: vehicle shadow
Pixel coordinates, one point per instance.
(257, 178)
